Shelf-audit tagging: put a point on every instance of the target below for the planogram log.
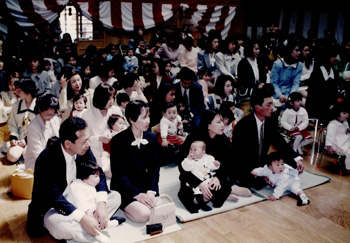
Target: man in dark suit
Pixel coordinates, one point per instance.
(250, 147)
(55, 168)
(190, 94)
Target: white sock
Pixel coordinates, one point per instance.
(304, 198)
(113, 223)
(296, 142)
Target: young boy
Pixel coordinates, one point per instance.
(283, 177)
(83, 195)
(122, 100)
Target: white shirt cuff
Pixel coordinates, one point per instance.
(78, 215)
(298, 158)
(102, 196)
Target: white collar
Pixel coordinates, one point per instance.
(294, 65)
(325, 74)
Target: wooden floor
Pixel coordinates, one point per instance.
(326, 219)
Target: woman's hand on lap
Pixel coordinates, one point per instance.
(214, 184)
(204, 187)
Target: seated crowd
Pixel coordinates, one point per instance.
(108, 121)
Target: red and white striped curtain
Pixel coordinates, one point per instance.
(124, 14)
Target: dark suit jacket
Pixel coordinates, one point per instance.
(196, 98)
(245, 147)
(246, 77)
(50, 181)
(134, 170)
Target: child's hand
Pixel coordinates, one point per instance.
(272, 198)
(164, 143)
(184, 121)
(190, 157)
(254, 173)
(294, 129)
(217, 163)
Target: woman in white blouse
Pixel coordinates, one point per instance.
(96, 118)
(21, 115)
(44, 126)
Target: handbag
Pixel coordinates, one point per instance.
(163, 212)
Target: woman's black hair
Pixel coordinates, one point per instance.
(27, 85)
(206, 119)
(219, 88)
(161, 64)
(69, 71)
(226, 112)
(249, 46)
(228, 40)
(87, 168)
(46, 101)
(113, 119)
(134, 109)
(102, 94)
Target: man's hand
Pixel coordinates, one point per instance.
(101, 215)
(90, 224)
(268, 181)
(300, 166)
(254, 174)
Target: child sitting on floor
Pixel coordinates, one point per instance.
(338, 133)
(283, 177)
(204, 167)
(295, 120)
(83, 195)
(122, 100)
(116, 124)
(79, 105)
(170, 124)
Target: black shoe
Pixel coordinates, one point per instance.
(206, 208)
(119, 219)
(300, 202)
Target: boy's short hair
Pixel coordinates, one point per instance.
(113, 119)
(273, 156)
(337, 109)
(259, 95)
(226, 112)
(187, 74)
(70, 127)
(167, 106)
(87, 168)
(122, 97)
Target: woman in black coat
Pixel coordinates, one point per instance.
(210, 131)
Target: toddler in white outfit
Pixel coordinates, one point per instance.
(283, 177)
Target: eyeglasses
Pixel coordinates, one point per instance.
(47, 115)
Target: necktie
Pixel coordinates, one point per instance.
(137, 142)
(185, 101)
(261, 138)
